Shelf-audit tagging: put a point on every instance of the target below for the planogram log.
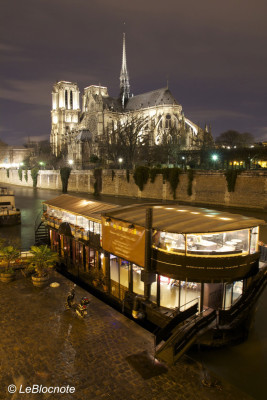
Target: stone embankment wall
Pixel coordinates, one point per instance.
(208, 187)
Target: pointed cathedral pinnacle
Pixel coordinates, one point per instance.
(124, 77)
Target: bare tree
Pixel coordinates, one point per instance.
(126, 138)
(173, 141)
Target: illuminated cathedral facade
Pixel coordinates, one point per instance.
(78, 129)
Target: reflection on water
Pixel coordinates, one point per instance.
(29, 201)
(244, 365)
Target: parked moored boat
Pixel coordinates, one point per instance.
(9, 214)
(170, 264)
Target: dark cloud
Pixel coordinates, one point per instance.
(212, 53)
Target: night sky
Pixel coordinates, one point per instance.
(213, 53)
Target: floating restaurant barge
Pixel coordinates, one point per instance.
(9, 214)
(192, 272)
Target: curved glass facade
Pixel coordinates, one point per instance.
(228, 243)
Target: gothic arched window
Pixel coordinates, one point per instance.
(71, 100)
(168, 121)
(66, 98)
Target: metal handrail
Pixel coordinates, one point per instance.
(177, 309)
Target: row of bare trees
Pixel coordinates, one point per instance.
(129, 140)
(132, 141)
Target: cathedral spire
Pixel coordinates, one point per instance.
(124, 77)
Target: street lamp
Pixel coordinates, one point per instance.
(214, 158)
(70, 162)
(120, 161)
(42, 164)
(184, 162)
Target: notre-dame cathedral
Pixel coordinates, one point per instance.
(79, 131)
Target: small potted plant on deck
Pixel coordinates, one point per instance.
(9, 255)
(43, 259)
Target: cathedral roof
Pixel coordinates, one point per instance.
(151, 99)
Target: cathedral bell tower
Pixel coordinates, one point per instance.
(64, 114)
(124, 77)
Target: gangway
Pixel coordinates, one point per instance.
(184, 336)
(41, 231)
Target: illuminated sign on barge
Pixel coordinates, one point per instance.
(124, 240)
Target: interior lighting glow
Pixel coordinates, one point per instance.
(225, 219)
(164, 279)
(84, 202)
(182, 210)
(193, 212)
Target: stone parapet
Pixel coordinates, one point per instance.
(208, 187)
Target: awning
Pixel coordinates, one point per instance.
(183, 219)
(79, 206)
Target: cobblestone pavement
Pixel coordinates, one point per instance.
(43, 344)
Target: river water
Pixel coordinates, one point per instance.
(243, 365)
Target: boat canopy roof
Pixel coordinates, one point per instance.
(79, 206)
(183, 219)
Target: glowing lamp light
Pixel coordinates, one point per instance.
(214, 157)
(120, 161)
(70, 162)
